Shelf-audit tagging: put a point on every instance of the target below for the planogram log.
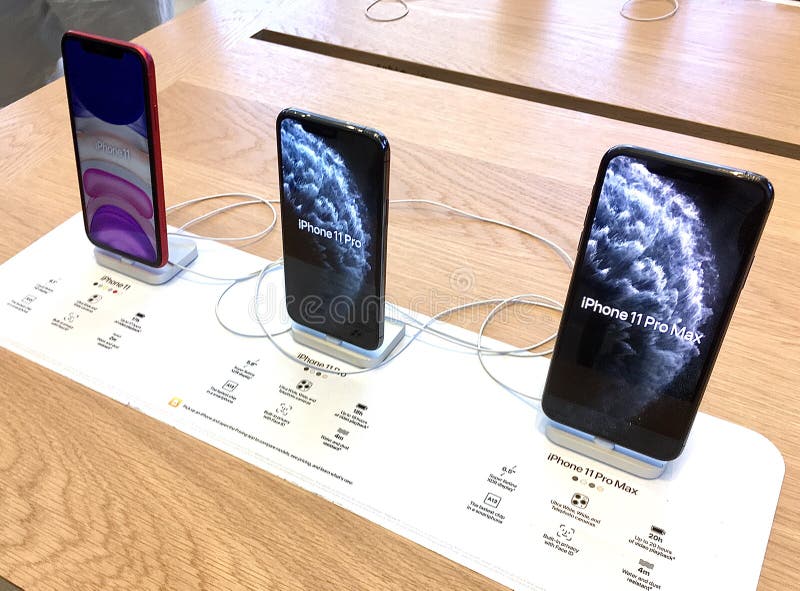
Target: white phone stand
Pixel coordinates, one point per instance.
(181, 251)
(604, 451)
(364, 358)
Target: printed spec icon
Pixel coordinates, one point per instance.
(579, 500)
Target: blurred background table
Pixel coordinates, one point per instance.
(718, 69)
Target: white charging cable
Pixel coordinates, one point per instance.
(473, 216)
(420, 327)
(623, 11)
(403, 317)
(386, 19)
(251, 200)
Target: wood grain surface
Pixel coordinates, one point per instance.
(94, 495)
(719, 69)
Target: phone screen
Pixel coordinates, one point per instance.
(334, 212)
(653, 289)
(107, 93)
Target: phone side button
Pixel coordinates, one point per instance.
(603, 443)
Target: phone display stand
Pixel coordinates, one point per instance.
(604, 451)
(181, 251)
(363, 358)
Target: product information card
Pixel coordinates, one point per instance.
(427, 446)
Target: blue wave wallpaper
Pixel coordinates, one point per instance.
(650, 296)
(649, 252)
(333, 210)
(320, 188)
(662, 258)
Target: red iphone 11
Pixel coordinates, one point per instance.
(111, 91)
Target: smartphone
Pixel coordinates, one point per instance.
(111, 92)
(665, 250)
(334, 184)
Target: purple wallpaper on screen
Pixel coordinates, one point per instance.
(108, 102)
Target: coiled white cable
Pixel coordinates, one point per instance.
(401, 316)
(671, 12)
(252, 200)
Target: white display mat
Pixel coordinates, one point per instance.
(428, 446)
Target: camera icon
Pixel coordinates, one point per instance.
(580, 501)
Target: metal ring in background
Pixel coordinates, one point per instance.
(650, 19)
(386, 20)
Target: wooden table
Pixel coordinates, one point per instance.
(95, 495)
(718, 69)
